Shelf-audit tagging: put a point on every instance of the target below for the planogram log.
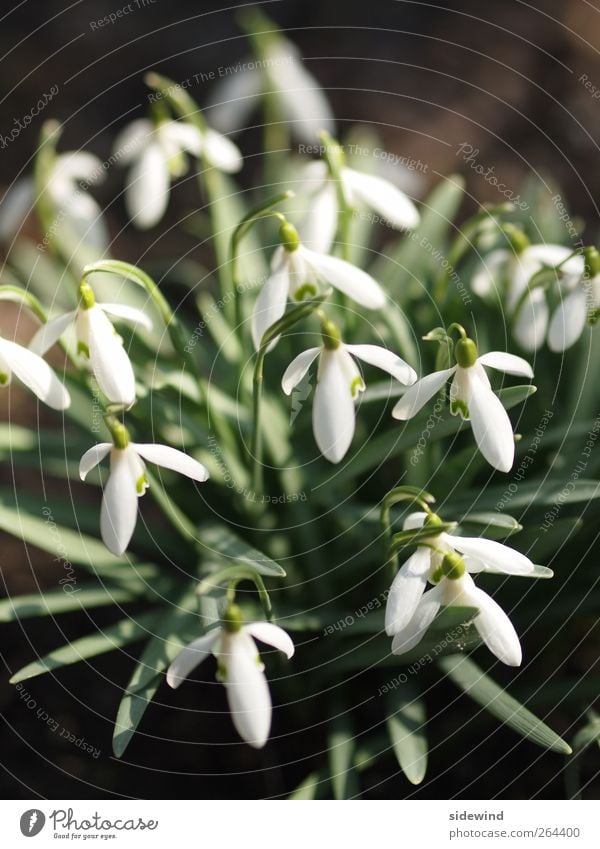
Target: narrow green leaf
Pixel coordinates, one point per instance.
(114, 637)
(495, 525)
(480, 687)
(61, 601)
(406, 718)
(342, 747)
(307, 789)
(584, 738)
(222, 541)
(170, 635)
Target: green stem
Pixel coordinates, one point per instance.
(182, 524)
(395, 496)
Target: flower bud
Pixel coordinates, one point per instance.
(86, 295)
(453, 566)
(288, 236)
(592, 261)
(232, 619)
(517, 238)
(465, 352)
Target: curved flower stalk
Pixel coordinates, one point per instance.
(379, 195)
(472, 398)
(34, 372)
(98, 341)
(239, 668)
(297, 273)
(339, 383)
(511, 273)
(156, 153)
(281, 76)
(69, 177)
(447, 562)
(127, 481)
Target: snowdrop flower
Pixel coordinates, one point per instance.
(34, 372)
(239, 668)
(447, 562)
(157, 155)
(67, 185)
(98, 341)
(472, 398)
(509, 272)
(127, 481)
(297, 272)
(380, 195)
(339, 383)
(282, 76)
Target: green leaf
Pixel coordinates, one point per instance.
(170, 635)
(495, 525)
(476, 684)
(537, 493)
(406, 720)
(114, 637)
(585, 737)
(61, 601)
(307, 789)
(222, 541)
(342, 747)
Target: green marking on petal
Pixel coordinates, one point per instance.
(4, 378)
(305, 291)
(221, 674)
(459, 407)
(83, 350)
(141, 484)
(357, 386)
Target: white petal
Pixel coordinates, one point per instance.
(16, 205)
(247, 690)
(190, 657)
(303, 99)
(131, 139)
(414, 631)
(76, 166)
(147, 190)
(494, 627)
(407, 588)
(119, 504)
(109, 360)
(298, 368)
(171, 458)
(221, 152)
(385, 360)
(82, 218)
(419, 394)
(183, 136)
(552, 255)
(382, 196)
(270, 304)
(508, 363)
(568, 321)
(233, 98)
(529, 328)
(487, 278)
(414, 520)
(319, 226)
(491, 426)
(333, 408)
(353, 282)
(127, 313)
(36, 374)
(273, 635)
(493, 556)
(92, 457)
(50, 333)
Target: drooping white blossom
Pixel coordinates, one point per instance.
(157, 154)
(32, 371)
(127, 482)
(447, 562)
(240, 669)
(282, 76)
(339, 383)
(377, 194)
(297, 273)
(472, 398)
(98, 341)
(529, 312)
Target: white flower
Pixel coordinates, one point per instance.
(383, 197)
(157, 154)
(98, 340)
(34, 372)
(506, 273)
(241, 671)
(339, 383)
(410, 610)
(281, 75)
(75, 209)
(471, 396)
(127, 482)
(296, 274)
